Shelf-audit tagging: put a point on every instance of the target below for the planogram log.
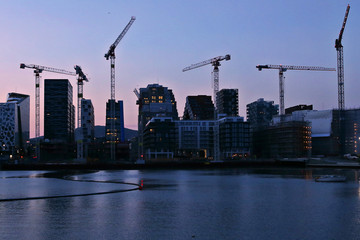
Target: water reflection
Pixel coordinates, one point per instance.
(178, 204)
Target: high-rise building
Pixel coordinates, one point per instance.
(14, 122)
(87, 120)
(260, 113)
(119, 131)
(59, 111)
(199, 108)
(227, 102)
(155, 100)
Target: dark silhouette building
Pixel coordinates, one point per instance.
(199, 108)
(290, 139)
(119, 132)
(59, 111)
(260, 113)
(227, 102)
(234, 138)
(166, 139)
(298, 108)
(155, 100)
(159, 139)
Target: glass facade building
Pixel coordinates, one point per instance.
(59, 111)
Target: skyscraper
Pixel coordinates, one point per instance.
(59, 111)
(198, 108)
(119, 131)
(227, 102)
(14, 122)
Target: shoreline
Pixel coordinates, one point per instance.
(179, 165)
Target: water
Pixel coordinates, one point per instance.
(181, 204)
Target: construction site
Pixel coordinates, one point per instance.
(296, 132)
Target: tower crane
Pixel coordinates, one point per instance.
(39, 69)
(137, 93)
(81, 77)
(284, 68)
(340, 63)
(140, 126)
(111, 54)
(216, 63)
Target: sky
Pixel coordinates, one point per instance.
(168, 36)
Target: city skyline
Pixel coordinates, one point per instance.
(168, 36)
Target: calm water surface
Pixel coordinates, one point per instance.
(181, 204)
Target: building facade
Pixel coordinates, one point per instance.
(199, 107)
(195, 139)
(14, 123)
(260, 113)
(59, 111)
(87, 120)
(154, 100)
(234, 138)
(288, 139)
(159, 139)
(227, 102)
(333, 132)
(166, 139)
(119, 131)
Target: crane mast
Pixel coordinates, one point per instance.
(340, 63)
(215, 62)
(111, 54)
(284, 68)
(80, 83)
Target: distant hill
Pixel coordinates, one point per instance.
(129, 133)
(100, 132)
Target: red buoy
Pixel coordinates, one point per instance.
(141, 185)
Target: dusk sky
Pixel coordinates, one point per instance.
(170, 35)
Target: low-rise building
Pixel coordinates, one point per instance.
(234, 138)
(184, 140)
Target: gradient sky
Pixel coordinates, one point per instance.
(170, 35)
